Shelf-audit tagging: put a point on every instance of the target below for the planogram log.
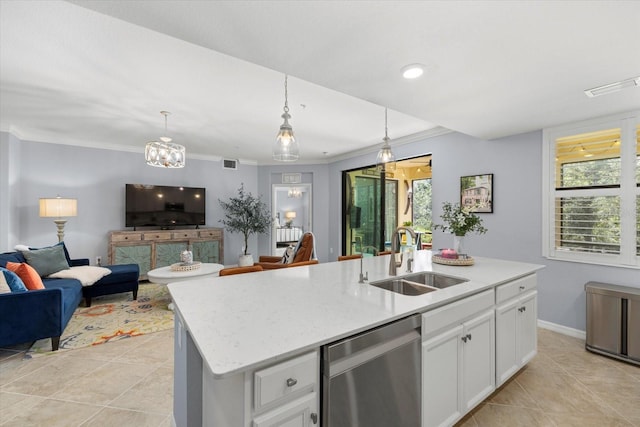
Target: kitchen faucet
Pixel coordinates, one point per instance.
(394, 247)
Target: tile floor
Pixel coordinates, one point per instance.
(130, 383)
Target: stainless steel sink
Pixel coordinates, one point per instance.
(418, 283)
(439, 281)
(404, 287)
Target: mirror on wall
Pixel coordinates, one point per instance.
(291, 208)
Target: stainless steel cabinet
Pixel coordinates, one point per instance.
(613, 321)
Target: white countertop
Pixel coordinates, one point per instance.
(243, 321)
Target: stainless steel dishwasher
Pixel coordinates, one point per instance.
(374, 378)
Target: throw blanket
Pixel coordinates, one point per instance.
(86, 274)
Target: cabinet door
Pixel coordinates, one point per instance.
(441, 378)
(507, 357)
(138, 254)
(527, 327)
(302, 412)
(206, 251)
(169, 253)
(478, 352)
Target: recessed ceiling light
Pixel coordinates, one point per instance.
(613, 87)
(412, 71)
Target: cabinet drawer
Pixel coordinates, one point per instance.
(515, 288)
(456, 312)
(214, 234)
(185, 234)
(278, 381)
(126, 237)
(157, 235)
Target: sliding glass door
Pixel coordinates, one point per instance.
(370, 214)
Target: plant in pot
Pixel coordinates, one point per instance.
(459, 221)
(245, 214)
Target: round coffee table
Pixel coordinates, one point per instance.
(164, 275)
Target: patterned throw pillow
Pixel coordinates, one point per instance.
(27, 274)
(12, 279)
(287, 257)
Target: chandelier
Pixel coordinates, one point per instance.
(294, 192)
(164, 153)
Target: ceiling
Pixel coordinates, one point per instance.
(98, 73)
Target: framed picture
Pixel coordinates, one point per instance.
(476, 193)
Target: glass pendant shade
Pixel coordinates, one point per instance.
(385, 155)
(164, 153)
(286, 147)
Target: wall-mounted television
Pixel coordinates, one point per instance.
(164, 206)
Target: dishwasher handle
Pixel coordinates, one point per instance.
(351, 361)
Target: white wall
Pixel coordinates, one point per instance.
(97, 179)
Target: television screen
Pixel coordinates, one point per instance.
(164, 206)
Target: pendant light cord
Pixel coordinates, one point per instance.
(286, 95)
(385, 124)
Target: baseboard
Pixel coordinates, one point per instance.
(564, 330)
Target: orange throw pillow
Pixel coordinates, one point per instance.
(27, 274)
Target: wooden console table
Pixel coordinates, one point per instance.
(151, 249)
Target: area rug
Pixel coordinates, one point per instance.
(113, 318)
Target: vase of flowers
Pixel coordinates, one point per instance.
(459, 221)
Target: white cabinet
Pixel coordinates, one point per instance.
(516, 323)
(302, 412)
(277, 390)
(458, 364)
(285, 394)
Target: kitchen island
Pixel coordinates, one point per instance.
(235, 334)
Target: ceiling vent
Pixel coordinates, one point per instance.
(612, 87)
(229, 164)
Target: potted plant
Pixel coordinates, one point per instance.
(459, 221)
(245, 214)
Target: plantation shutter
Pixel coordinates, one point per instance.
(587, 197)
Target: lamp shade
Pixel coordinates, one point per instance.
(290, 215)
(58, 207)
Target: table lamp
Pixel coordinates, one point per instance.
(289, 216)
(59, 208)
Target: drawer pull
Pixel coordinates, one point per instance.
(522, 309)
(521, 288)
(291, 382)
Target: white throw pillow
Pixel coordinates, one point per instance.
(86, 274)
(4, 286)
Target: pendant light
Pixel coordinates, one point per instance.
(164, 153)
(286, 147)
(385, 155)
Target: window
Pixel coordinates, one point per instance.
(422, 219)
(592, 191)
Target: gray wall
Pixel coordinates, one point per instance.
(97, 179)
(317, 175)
(30, 170)
(515, 227)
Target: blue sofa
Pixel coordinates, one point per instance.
(37, 314)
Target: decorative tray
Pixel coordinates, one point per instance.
(181, 266)
(450, 261)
